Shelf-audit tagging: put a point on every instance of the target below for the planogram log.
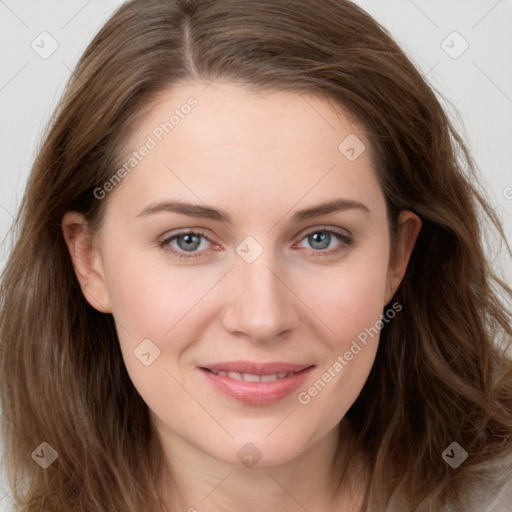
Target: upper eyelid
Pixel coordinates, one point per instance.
(314, 229)
(166, 238)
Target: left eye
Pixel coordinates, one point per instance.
(321, 239)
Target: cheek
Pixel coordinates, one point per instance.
(145, 303)
(349, 299)
(157, 302)
(350, 304)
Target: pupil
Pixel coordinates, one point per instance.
(318, 240)
(190, 242)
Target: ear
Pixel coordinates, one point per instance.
(86, 260)
(409, 226)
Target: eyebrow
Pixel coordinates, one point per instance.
(219, 215)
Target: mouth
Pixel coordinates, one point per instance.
(252, 377)
(256, 383)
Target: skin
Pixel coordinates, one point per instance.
(260, 157)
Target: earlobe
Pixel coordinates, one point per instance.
(409, 226)
(86, 261)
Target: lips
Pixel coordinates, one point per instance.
(256, 383)
(253, 377)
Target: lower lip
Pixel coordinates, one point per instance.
(257, 393)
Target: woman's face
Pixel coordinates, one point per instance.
(245, 257)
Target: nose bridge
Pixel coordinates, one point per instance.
(260, 304)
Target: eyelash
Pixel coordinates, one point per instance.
(347, 242)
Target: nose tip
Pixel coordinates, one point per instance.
(259, 305)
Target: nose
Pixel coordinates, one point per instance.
(261, 305)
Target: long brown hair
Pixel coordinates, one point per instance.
(441, 374)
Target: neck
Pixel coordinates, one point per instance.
(198, 482)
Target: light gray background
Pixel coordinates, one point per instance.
(477, 83)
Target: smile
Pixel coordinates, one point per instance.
(252, 377)
(256, 383)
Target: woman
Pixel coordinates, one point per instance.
(249, 275)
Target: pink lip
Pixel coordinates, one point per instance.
(256, 368)
(257, 393)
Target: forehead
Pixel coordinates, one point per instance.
(233, 114)
(223, 140)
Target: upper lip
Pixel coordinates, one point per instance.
(255, 368)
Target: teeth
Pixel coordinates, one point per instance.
(251, 377)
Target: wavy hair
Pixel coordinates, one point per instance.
(442, 372)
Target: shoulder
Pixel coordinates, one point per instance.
(491, 494)
(503, 501)
(496, 494)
